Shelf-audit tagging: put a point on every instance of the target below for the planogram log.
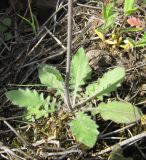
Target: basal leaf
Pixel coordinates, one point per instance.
(84, 129)
(109, 22)
(142, 41)
(131, 11)
(109, 17)
(127, 30)
(25, 98)
(3, 28)
(80, 71)
(144, 35)
(7, 21)
(119, 112)
(129, 7)
(49, 106)
(7, 36)
(108, 83)
(34, 102)
(107, 11)
(36, 112)
(51, 77)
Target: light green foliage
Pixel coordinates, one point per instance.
(82, 126)
(51, 77)
(107, 10)
(129, 7)
(142, 41)
(4, 28)
(36, 112)
(49, 106)
(108, 83)
(109, 17)
(132, 29)
(84, 129)
(119, 112)
(80, 71)
(117, 154)
(33, 101)
(118, 35)
(25, 98)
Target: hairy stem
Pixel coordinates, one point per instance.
(69, 47)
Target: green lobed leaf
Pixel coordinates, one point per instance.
(51, 77)
(129, 7)
(49, 106)
(34, 102)
(84, 129)
(25, 98)
(108, 83)
(117, 154)
(80, 71)
(36, 112)
(119, 112)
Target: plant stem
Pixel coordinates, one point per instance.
(32, 18)
(69, 43)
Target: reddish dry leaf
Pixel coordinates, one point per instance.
(133, 21)
(120, 2)
(106, 1)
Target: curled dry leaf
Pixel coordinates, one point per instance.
(133, 21)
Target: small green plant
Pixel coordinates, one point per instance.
(116, 34)
(32, 21)
(4, 28)
(82, 126)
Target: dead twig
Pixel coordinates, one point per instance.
(16, 133)
(125, 142)
(55, 38)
